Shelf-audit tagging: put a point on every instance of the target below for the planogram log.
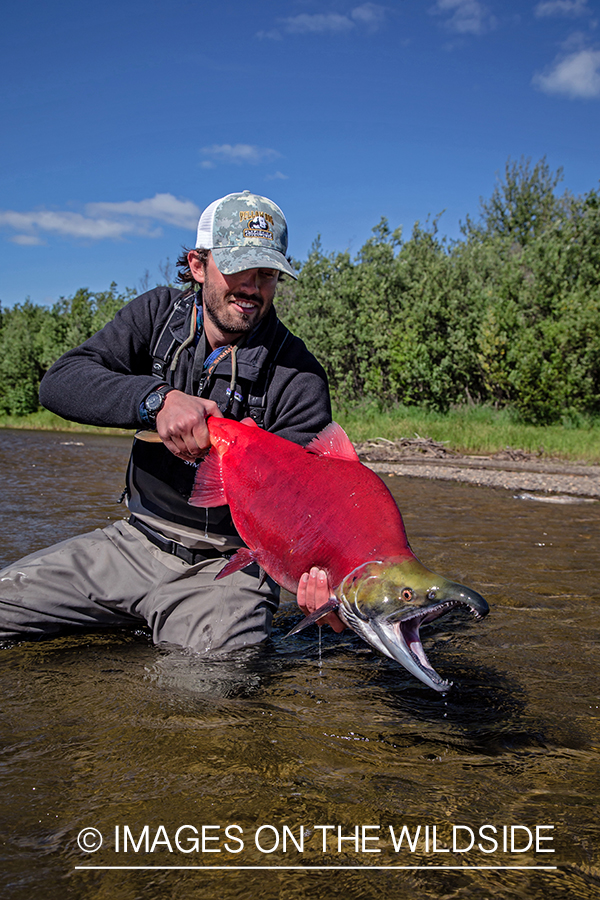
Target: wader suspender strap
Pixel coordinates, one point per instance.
(166, 345)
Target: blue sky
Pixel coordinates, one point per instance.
(122, 120)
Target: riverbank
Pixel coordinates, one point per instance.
(475, 430)
(43, 420)
(468, 430)
(533, 477)
(543, 475)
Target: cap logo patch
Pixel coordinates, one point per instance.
(259, 224)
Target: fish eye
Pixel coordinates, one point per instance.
(407, 594)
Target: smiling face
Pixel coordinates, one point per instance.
(233, 304)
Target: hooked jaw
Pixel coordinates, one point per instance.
(388, 609)
(402, 640)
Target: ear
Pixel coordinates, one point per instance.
(196, 267)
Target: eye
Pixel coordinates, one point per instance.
(407, 594)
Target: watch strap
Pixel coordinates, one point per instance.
(147, 414)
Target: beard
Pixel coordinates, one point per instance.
(219, 310)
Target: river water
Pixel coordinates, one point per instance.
(206, 777)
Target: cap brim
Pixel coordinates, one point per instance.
(230, 260)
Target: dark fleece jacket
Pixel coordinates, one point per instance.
(104, 381)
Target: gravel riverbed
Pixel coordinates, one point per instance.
(549, 479)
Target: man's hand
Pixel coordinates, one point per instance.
(181, 424)
(313, 592)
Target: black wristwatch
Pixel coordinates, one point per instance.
(153, 404)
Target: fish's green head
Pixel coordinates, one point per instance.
(387, 602)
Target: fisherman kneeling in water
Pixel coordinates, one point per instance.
(168, 360)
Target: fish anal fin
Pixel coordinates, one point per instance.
(242, 558)
(334, 442)
(331, 605)
(208, 487)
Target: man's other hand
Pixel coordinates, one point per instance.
(313, 592)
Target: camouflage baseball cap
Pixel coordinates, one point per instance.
(244, 231)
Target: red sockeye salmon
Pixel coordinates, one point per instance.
(297, 507)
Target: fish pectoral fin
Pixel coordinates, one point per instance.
(240, 560)
(331, 605)
(334, 442)
(209, 489)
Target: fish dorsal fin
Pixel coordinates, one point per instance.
(333, 441)
(208, 487)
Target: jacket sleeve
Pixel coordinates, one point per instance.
(104, 380)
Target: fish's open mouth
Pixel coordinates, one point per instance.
(401, 640)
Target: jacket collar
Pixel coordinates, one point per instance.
(250, 356)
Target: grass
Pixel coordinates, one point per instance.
(473, 430)
(43, 420)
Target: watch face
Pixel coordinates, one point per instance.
(154, 401)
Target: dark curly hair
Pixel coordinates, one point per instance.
(184, 275)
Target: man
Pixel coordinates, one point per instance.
(168, 360)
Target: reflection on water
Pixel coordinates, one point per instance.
(107, 731)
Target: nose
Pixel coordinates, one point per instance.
(249, 280)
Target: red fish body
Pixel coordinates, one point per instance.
(295, 508)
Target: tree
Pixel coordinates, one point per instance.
(522, 205)
(33, 337)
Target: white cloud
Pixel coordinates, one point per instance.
(276, 176)
(64, 223)
(319, 23)
(575, 75)
(26, 240)
(238, 153)
(467, 16)
(562, 8)
(103, 221)
(273, 34)
(162, 208)
(369, 16)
